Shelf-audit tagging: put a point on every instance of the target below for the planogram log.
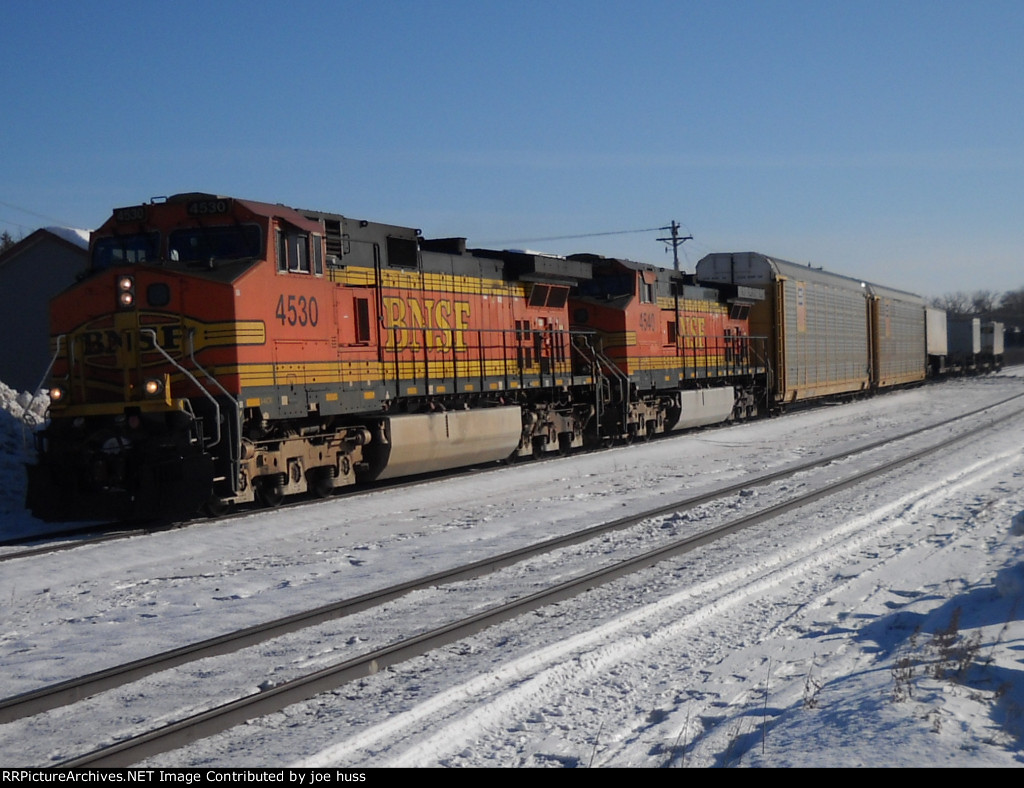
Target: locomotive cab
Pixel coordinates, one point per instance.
(134, 414)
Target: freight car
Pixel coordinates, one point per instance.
(225, 351)
(964, 339)
(992, 346)
(828, 335)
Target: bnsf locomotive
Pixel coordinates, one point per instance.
(224, 351)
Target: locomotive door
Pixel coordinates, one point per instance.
(358, 345)
(527, 346)
(354, 309)
(548, 350)
(109, 349)
(541, 351)
(542, 345)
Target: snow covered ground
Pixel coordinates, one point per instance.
(880, 628)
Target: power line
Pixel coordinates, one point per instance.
(60, 222)
(568, 237)
(22, 228)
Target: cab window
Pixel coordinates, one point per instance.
(293, 252)
(125, 249)
(646, 291)
(205, 244)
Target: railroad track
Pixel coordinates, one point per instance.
(273, 698)
(84, 535)
(96, 533)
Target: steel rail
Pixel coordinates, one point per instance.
(73, 690)
(112, 531)
(220, 718)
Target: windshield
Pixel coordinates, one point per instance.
(202, 244)
(607, 286)
(122, 249)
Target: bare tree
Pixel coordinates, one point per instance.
(984, 303)
(957, 304)
(1011, 308)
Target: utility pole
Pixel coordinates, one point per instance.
(675, 240)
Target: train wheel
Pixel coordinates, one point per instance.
(215, 507)
(270, 491)
(271, 497)
(322, 482)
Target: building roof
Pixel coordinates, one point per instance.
(77, 240)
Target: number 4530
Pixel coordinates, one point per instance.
(299, 310)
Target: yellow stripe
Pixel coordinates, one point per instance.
(348, 372)
(365, 373)
(711, 365)
(416, 281)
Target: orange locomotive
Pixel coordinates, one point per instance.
(224, 351)
(677, 354)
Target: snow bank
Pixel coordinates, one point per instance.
(21, 406)
(19, 413)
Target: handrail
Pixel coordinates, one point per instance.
(190, 376)
(601, 362)
(236, 448)
(35, 394)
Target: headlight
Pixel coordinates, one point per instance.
(153, 387)
(126, 292)
(56, 394)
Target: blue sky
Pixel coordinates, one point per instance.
(883, 140)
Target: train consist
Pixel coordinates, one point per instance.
(225, 351)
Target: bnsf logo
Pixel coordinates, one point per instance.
(439, 324)
(694, 326)
(110, 341)
(114, 347)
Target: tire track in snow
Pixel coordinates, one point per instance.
(515, 688)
